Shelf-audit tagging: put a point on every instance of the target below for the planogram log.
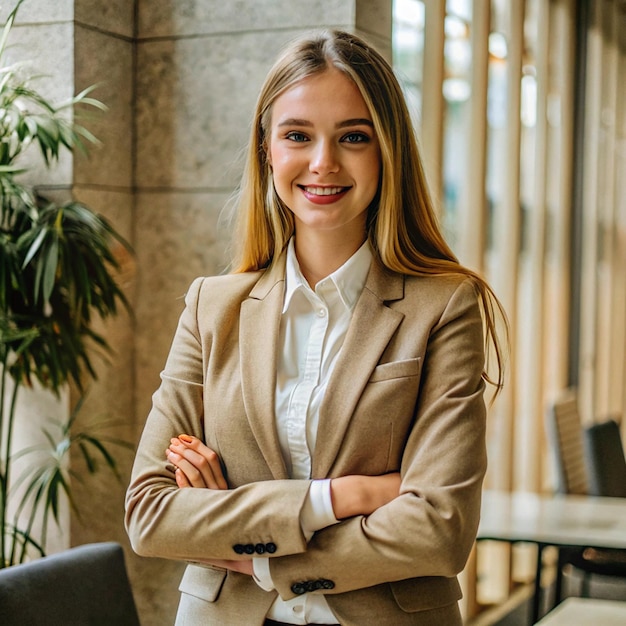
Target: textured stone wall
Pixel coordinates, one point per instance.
(103, 34)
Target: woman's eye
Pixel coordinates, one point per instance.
(355, 138)
(296, 136)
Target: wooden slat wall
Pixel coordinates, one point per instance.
(610, 389)
(529, 426)
(618, 369)
(590, 253)
(503, 269)
(558, 286)
(432, 96)
(602, 369)
(494, 560)
(473, 204)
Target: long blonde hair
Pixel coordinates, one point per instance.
(402, 223)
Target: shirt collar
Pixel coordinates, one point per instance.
(349, 279)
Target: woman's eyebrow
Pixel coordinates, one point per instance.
(293, 121)
(357, 121)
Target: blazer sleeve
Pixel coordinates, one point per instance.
(191, 524)
(430, 528)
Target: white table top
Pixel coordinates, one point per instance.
(556, 520)
(585, 611)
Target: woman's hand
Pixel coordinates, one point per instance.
(362, 495)
(199, 466)
(196, 464)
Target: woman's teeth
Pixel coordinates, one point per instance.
(324, 191)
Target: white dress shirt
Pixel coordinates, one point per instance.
(313, 327)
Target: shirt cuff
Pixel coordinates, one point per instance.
(261, 573)
(317, 512)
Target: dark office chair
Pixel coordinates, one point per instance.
(604, 459)
(83, 586)
(589, 462)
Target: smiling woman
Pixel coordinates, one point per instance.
(325, 160)
(321, 409)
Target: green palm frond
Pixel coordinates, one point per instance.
(58, 273)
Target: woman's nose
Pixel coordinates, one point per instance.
(324, 158)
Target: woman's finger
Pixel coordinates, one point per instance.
(199, 478)
(181, 479)
(196, 467)
(179, 475)
(205, 460)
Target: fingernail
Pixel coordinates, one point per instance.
(185, 438)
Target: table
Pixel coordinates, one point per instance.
(585, 611)
(552, 520)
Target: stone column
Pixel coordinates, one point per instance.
(104, 45)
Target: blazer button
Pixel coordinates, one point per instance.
(327, 584)
(238, 548)
(248, 548)
(259, 548)
(298, 588)
(309, 585)
(270, 547)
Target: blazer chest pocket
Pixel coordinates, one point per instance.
(379, 426)
(396, 369)
(202, 582)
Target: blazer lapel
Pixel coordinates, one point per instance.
(371, 328)
(258, 340)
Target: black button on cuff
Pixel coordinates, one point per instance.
(312, 585)
(298, 588)
(259, 548)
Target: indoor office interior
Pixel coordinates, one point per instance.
(519, 108)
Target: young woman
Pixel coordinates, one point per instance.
(316, 448)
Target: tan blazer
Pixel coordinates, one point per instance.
(406, 394)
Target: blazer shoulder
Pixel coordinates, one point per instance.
(441, 287)
(438, 298)
(224, 287)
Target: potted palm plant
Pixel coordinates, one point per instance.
(58, 269)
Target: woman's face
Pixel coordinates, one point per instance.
(324, 154)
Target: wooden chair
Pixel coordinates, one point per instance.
(565, 434)
(83, 586)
